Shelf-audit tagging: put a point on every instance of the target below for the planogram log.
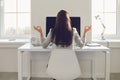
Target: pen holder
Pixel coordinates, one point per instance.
(35, 41)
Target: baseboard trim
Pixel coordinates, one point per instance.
(82, 76)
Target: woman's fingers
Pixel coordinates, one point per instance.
(90, 26)
(87, 28)
(36, 27)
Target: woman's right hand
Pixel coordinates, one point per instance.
(86, 29)
(39, 29)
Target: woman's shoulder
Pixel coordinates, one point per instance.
(74, 30)
(51, 29)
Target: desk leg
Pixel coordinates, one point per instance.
(107, 65)
(93, 67)
(29, 65)
(20, 65)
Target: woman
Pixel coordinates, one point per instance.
(63, 63)
(63, 35)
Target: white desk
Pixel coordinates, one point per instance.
(29, 48)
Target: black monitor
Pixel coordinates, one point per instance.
(50, 23)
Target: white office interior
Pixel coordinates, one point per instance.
(39, 10)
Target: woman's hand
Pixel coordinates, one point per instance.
(86, 29)
(39, 29)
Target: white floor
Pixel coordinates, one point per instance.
(13, 76)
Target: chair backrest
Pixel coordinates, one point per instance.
(63, 63)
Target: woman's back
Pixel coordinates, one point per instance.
(75, 40)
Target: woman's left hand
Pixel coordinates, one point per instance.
(39, 29)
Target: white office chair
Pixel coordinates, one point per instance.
(63, 65)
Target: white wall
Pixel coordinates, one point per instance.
(8, 59)
(8, 56)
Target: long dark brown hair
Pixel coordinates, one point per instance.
(62, 33)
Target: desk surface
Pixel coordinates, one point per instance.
(29, 47)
